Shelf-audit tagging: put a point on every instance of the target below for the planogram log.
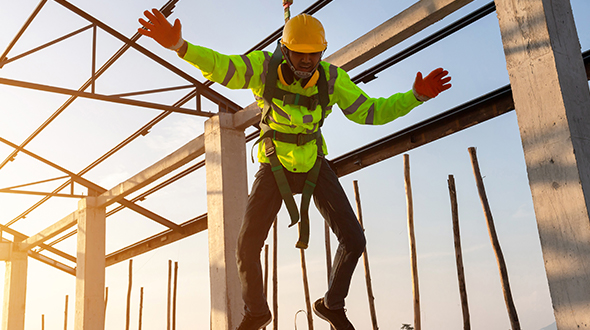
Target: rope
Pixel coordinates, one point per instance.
(299, 311)
(286, 5)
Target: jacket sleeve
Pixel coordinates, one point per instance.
(232, 71)
(360, 108)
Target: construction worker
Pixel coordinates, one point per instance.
(296, 92)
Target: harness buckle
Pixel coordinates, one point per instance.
(313, 104)
(300, 139)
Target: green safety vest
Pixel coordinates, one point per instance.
(302, 118)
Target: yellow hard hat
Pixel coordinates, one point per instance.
(304, 34)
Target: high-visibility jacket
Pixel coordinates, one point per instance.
(249, 72)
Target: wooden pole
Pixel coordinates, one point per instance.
(140, 308)
(169, 293)
(413, 256)
(174, 298)
(275, 278)
(515, 324)
(370, 295)
(127, 315)
(265, 287)
(306, 290)
(106, 300)
(328, 254)
(328, 250)
(42, 321)
(66, 314)
(458, 253)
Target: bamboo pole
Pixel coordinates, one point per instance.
(275, 277)
(306, 290)
(413, 256)
(512, 314)
(127, 315)
(265, 286)
(169, 294)
(174, 298)
(140, 322)
(66, 314)
(458, 253)
(370, 295)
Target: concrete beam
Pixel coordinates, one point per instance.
(227, 193)
(395, 30)
(552, 99)
(90, 271)
(178, 158)
(57, 228)
(15, 290)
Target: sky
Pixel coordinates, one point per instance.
(87, 129)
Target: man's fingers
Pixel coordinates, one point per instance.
(145, 32)
(445, 80)
(161, 18)
(146, 24)
(445, 87)
(151, 17)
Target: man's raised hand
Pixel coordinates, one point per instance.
(158, 28)
(429, 87)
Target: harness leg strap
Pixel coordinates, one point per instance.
(308, 188)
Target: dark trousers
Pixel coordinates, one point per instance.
(263, 205)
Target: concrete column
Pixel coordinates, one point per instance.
(227, 193)
(90, 270)
(15, 289)
(552, 102)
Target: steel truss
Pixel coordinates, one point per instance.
(471, 113)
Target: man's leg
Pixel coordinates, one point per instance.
(264, 203)
(331, 201)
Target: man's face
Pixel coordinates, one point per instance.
(305, 61)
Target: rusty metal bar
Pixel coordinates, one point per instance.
(142, 131)
(22, 29)
(99, 189)
(159, 90)
(100, 97)
(190, 227)
(36, 49)
(166, 10)
(39, 193)
(34, 183)
(205, 91)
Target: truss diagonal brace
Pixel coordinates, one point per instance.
(99, 189)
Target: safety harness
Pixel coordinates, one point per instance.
(311, 102)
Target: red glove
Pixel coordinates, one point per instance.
(429, 87)
(161, 31)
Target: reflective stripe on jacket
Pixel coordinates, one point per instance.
(249, 72)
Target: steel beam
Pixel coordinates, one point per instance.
(140, 132)
(22, 30)
(100, 97)
(212, 95)
(90, 185)
(48, 261)
(466, 115)
(36, 49)
(166, 10)
(190, 227)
